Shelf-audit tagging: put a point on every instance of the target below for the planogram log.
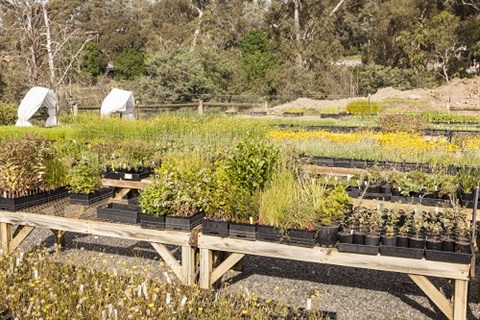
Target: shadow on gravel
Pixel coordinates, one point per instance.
(396, 284)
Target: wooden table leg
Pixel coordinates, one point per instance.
(460, 300)
(188, 264)
(205, 268)
(59, 237)
(5, 236)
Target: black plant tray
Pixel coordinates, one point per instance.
(15, 204)
(402, 252)
(243, 231)
(133, 204)
(111, 175)
(357, 248)
(292, 114)
(118, 212)
(150, 221)
(57, 194)
(87, 199)
(453, 257)
(404, 199)
(183, 223)
(135, 176)
(269, 233)
(380, 196)
(300, 237)
(217, 228)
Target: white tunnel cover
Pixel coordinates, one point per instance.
(118, 100)
(35, 98)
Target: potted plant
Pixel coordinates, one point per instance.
(416, 239)
(84, 181)
(467, 181)
(374, 223)
(329, 204)
(434, 231)
(31, 173)
(389, 237)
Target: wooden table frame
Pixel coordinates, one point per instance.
(122, 187)
(418, 270)
(27, 222)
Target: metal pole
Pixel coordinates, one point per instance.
(474, 214)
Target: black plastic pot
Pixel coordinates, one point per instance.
(416, 243)
(90, 198)
(372, 240)
(433, 245)
(183, 223)
(243, 231)
(402, 241)
(359, 238)
(463, 247)
(448, 245)
(217, 228)
(389, 241)
(268, 233)
(327, 236)
(301, 237)
(345, 236)
(150, 221)
(118, 212)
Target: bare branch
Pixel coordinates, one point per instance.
(339, 4)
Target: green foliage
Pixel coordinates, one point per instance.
(8, 113)
(84, 175)
(129, 64)
(330, 205)
(92, 62)
(181, 187)
(252, 162)
(363, 107)
(373, 77)
(402, 123)
(178, 74)
(467, 178)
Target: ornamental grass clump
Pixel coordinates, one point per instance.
(29, 166)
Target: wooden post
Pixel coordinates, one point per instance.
(188, 264)
(460, 300)
(75, 109)
(265, 105)
(5, 236)
(59, 237)
(200, 107)
(205, 268)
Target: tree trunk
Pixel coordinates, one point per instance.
(298, 38)
(51, 65)
(199, 25)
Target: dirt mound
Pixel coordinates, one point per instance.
(460, 95)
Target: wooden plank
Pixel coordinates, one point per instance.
(188, 264)
(205, 268)
(460, 300)
(333, 257)
(121, 193)
(126, 183)
(19, 235)
(336, 171)
(226, 265)
(434, 294)
(99, 228)
(170, 260)
(5, 236)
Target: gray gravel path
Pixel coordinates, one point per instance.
(352, 293)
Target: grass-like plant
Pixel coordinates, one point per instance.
(36, 286)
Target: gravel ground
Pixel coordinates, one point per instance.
(352, 293)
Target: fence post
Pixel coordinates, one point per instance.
(75, 109)
(200, 107)
(265, 105)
